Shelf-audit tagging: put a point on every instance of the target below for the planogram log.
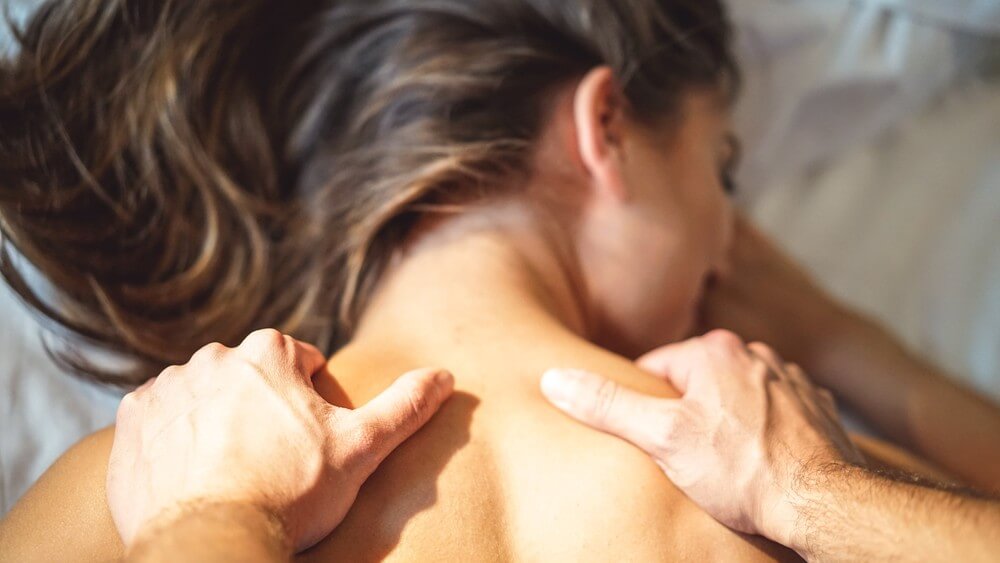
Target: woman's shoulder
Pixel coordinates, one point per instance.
(514, 478)
(65, 515)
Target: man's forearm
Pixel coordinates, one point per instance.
(848, 513)
(213, 534)
(910, 401)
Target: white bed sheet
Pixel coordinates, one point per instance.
(907, 228)
(871, 157)
(872, 132)
(42, 411)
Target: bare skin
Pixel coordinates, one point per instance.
(496, 475)
(212, 533)
(778, 462)
(498, 295)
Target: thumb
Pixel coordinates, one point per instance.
(402, 409)
(606, 406)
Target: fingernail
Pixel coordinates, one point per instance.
(444, 380)
(557, 386)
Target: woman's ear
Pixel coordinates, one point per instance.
(599, 116)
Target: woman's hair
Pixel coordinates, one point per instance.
(187, 171)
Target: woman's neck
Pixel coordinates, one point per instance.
(478, 278)
(497, 303)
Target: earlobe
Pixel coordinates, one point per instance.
(598, 110)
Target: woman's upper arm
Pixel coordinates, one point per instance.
(65, 515)
(885, 456)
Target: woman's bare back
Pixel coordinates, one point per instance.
(497, 475)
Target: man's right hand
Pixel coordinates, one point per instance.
(748, 425)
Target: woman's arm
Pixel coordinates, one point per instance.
(766, 297)
(913, 403)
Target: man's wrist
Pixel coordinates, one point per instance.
(207, 530)
(789, 516)
(846, 512)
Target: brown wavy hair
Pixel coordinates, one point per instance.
(186, 171)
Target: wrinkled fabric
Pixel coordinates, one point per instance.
(974, 16)
(906, 227)
(824, 75)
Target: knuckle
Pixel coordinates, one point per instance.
(766, 353)
(264, 338)
(662, 444)
(167, 372)
(724, 338)
(290, 350)
(362, 444)
(363, 438)
(828, 397)
(209, 352)
(419, 402)
(604, 399)
(666, 433)
(672, 425)
(760, 372)
(761, 349)
(271, 335)
(262, 344)
(796, 372)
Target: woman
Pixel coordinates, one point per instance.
(494, 186)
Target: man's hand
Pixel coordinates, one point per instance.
(748, 425)
(244, 427)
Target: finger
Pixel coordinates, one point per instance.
(807, 390)
(827, 396)
(308, 358)
(829, 402)
(606, 406)
(668, 362)
(798, 377)
(769, 357)
(402, 409)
